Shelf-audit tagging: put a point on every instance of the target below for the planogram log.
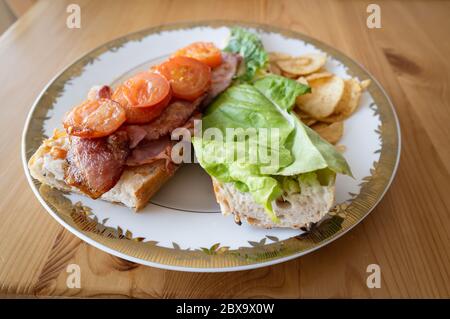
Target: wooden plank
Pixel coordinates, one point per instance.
(7, 17)
(19, 7)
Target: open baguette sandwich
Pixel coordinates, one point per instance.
(116, 145)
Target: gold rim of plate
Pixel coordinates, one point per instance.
(269, 250)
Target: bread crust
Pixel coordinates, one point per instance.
(134, 189)
(157, 174)
(298, 211)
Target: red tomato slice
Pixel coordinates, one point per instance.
(144, 96)
(188, 77)
(205, 52)
(141, 115)
(94, 118)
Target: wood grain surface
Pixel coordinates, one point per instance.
(408, 234)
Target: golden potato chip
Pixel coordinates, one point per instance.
(302, 65)
(318, 75)
(302, 80)
(274, 69)
(305, 118)
(324, 97)
(331, 133)
(351, 97)
(365, 84)
(300, 113)
(334, 118)
(321, 70)
(277, 56)
(348, 103)
(309, 121)
(289, 75)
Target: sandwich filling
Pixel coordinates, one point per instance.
(269, 153)
(94, 165)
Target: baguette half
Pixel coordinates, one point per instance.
(300, 210)
(134, 189)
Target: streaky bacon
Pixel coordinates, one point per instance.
(135, 134)
(190, 123)
(149, 151)
(222, 76)
(175, 115)
(95, 165)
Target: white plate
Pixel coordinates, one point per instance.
(182, 228)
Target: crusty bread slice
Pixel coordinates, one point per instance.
(300, 210)
(134, 189)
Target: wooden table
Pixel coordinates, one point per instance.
(408, 234)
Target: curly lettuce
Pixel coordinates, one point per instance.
(250, 47)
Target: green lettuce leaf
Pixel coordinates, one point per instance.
(298, 150)
(311, 152)
(280, 90)
(244, 107)
(250, 47)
